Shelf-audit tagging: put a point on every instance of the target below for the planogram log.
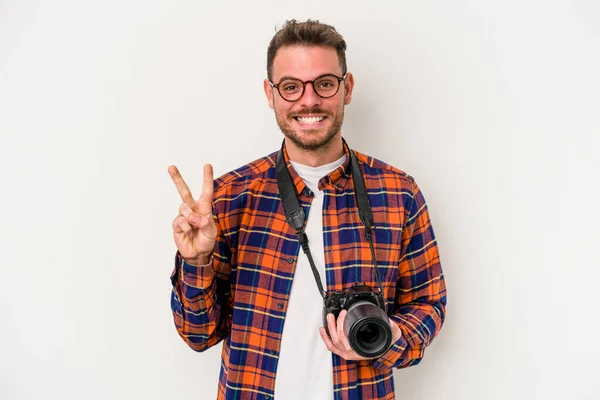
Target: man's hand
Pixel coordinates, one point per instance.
(194, 229)
(339, 344)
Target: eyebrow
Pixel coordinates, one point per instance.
(288, 77)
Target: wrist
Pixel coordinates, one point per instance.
(199, 261)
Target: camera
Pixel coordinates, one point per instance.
(366, 325)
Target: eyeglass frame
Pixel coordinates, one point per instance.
(312, 82)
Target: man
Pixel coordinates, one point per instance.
(240, 277)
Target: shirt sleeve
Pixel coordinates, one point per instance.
(201, 300)
(420, 303)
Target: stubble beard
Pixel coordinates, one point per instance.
(317, 144)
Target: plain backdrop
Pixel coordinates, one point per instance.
(493, 107)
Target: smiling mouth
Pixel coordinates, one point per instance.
(309, 120)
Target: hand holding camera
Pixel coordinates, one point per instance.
(363, 330)
(339, 344)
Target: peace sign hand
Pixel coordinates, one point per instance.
(194, 229)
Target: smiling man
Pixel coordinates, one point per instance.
(361, 224)
(311, 113)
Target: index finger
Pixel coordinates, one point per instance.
(182, 187)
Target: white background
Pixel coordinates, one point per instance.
(493, 107)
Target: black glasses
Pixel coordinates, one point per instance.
(325, 86)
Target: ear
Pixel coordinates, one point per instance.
(348, 86)
(268, 92)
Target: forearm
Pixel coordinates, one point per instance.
(419, 323)
(420, 298)
(199, 304)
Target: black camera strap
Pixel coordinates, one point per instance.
(295, 216)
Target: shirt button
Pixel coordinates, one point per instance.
(290, 260)
(267, 397)
(280, 305)
(272, 352)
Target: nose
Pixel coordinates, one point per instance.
(310, 98)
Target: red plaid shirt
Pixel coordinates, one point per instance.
(241, 297)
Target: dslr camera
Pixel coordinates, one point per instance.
(366, 325)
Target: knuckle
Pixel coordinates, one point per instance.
(183, 225)
(184, 209)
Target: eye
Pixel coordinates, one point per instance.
(290, 86)
(326, 84)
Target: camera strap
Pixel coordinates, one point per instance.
(296, 217)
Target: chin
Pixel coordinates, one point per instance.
(308, 140)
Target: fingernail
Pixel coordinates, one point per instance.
(194, 218)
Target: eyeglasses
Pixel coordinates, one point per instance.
(325, 86)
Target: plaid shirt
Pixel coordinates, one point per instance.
(242, 295)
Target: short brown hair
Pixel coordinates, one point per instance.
(308, 33)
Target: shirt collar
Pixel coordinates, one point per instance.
(335, 180)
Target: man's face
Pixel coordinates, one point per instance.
(311, 121)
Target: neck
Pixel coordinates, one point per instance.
(327, 154)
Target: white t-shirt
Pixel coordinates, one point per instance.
(304, 370)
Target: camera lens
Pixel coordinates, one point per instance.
(368, 334)
(368, 329)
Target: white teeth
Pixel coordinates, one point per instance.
(310, 120)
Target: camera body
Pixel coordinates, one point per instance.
(338, 301)
(367, 324)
